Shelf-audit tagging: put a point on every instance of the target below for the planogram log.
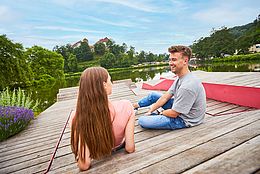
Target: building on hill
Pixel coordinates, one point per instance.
(255, 48)
(77, 44)
(104, 40)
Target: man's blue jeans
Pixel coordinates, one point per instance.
(155, 121)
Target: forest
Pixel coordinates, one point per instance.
(22, 67)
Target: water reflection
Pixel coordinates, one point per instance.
(227, 67)
(139, 75)
(47, 94)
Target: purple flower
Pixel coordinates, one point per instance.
(13, 119)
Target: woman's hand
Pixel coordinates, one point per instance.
(129, 134)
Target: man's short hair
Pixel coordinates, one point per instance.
(186, 51)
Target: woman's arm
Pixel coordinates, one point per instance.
(129, 135)
(84, 164)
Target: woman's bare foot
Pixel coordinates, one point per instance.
(136, 105)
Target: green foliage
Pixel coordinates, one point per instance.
(70, 61)
(108, 60)
(100, 48)
(17, 98)
(14, 70)
(250, 37)
(226, 41)
(83, 52)
(44, 80)
(43, 61)
(219, 43)
(108, 55)
(83, 65)
(142, 57)
(247, 57)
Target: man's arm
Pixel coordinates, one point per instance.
(170, 113)
(160, 102)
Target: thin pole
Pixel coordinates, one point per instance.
(57, 145)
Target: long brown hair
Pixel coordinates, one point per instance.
(92, 124)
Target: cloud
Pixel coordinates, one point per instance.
(226, 15)
(5, 31)
(121, 24)
(179, 5)
(66, 3)
(6, 15)
(141, 5)
(58, 28)
(137, 5)
(50, 42)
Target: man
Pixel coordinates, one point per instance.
(187, 107)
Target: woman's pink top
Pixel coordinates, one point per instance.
(120, 112)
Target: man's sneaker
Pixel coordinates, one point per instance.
(158, 111)
(135, 110)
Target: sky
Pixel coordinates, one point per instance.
(149, 25)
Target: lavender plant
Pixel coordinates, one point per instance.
(17, 98)
(13, 119)
(16, 111)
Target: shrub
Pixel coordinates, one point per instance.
(13, 119)
(17, 98)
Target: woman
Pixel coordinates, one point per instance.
(99, 126)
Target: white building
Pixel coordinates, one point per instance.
(255, 48)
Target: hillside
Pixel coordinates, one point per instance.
(227, 41)
(239, 31)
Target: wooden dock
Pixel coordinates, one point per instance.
(229, 143)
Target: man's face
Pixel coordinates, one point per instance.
(177, 62)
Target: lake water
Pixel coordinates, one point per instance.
(47, 94)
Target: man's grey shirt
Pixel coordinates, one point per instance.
(189, 99)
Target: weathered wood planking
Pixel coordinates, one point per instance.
(156, 150)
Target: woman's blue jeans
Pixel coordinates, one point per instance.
(155, 121)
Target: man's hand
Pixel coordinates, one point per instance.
(148, 113)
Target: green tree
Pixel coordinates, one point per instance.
(72, 63)
(116, 49)
(66, 51)
(100, 48)
(110, 43)
(219, 43)
(150, 57)
(108, 60)
(45, 62)
(141, 57)
(13, 64)
(223, 42)
(132, 56)
(250, 37)
(124, 47)
(226, 41)
(83, 52)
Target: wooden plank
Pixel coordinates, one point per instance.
(62, 113)
(142, 136)
(162, 146)
(231, 162)
(64, 149)
(165, 147)
(206, 151)
(118, 89)
(29, 153)
(31, 150)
